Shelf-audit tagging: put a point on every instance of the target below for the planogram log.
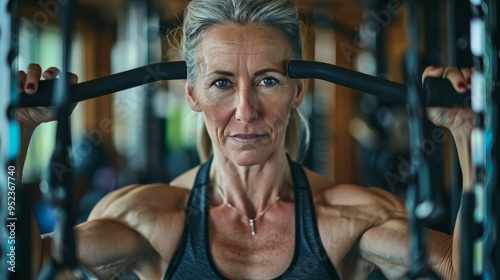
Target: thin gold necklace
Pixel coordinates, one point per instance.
(251, 221)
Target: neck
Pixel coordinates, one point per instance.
(251, 188)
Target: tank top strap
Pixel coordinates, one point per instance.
(194, 248)
(308, 242)
(197, 208)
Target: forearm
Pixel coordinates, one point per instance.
(41, 246)
(445, 249)
(26, 133)
(37, 245)
(463, 144)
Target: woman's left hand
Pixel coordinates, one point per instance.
(458, 120)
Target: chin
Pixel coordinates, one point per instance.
(249, 158)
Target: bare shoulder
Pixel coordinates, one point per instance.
(141, 205)
(139, 197)
(186, 179)
(151, 210)
(327, 193)
(345, 213)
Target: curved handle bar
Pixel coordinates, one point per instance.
(109, 84)
(440, 93)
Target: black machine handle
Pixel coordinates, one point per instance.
(109, 84)
(439, 92)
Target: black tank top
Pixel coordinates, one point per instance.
(193, 259)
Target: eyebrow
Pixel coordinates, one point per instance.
(258, 73)
(220, 72)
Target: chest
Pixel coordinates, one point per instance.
(237, 253)
(271, 251)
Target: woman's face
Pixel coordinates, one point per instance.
(244, 92)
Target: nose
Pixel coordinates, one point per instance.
(246, 105)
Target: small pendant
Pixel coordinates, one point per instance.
(252, 226)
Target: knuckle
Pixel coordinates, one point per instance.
(449, 71)
(33, 66)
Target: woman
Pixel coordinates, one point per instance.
(250, 211)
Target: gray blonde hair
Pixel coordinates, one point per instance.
(281, 15)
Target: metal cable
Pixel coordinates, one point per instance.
(421, 200)
(59, 188)
(483, 136)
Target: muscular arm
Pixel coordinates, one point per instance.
(444, 250)
(104, 244)
(100, 247)
(99, 241)
(386, 245)
(460, 128)
(129, 228)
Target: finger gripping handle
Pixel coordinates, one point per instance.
(440, 93)
(43, 96)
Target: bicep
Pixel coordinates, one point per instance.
(386, 246)
(107, 246)
(104, 246)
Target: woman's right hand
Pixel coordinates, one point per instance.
(28, 82)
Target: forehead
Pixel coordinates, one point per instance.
(234, 42)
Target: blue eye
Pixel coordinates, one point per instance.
(268, 82)
(222, 83)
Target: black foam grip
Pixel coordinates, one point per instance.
(440, 93)
(43, 96)
(388, 90)
(109, 84)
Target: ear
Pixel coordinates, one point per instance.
(193, 103)
(299, 96)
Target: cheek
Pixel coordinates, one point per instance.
(214, 106)
(218, 112)
(217, 115)
(278, 113)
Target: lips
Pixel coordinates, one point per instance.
(247, 138)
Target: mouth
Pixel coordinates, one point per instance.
(247, 138)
